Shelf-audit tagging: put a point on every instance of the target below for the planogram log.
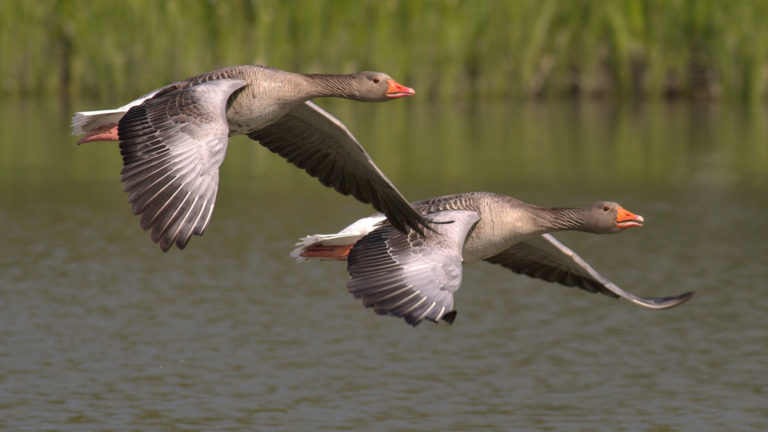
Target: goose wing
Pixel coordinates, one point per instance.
(410, 276)
(546, 258)
(314, 140)
(172, 147)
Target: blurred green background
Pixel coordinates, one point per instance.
(117, 50)
(557, 103)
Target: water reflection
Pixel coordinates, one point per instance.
(100, 329)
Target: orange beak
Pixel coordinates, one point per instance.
(627, 219)
(397, 90)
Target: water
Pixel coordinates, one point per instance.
(100, 330)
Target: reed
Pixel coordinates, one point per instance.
(118, 49)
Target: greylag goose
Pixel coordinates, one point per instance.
(173, 141)
(414, 277)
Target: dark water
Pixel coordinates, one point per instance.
(100, 330)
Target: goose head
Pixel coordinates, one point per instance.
(605, 217)
(378, 87)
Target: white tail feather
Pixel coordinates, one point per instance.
(86, 121)
(347, 236)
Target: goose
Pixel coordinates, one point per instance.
(173, 141)
(414, 277)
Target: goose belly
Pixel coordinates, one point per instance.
(243, 122)
(239, 125)
(485, 243)
(256, 108)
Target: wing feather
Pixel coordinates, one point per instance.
(544, 257)
(407, 275)
(172, 147)
(317, 142)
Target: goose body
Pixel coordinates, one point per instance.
(174, 139)
(414, 277)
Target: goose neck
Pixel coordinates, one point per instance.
(331, 85)
(562, 219)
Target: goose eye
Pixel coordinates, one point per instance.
(376, 80)
(606, 208)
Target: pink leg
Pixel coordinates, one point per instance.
(103, 133)
(331, 252)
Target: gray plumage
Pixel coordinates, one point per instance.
(410, 276)
(174, 139)
(171, 168)
(414, 277)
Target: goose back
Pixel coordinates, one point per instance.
(503, 221)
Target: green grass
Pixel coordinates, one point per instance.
(118, 49)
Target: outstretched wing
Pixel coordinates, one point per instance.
(172, 147)
(410, 276)
(546, 258)
(317, 142)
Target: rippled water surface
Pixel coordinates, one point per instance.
(100, 330)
